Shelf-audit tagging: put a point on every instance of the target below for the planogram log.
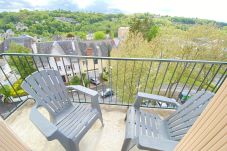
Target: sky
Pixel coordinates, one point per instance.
(204, 9)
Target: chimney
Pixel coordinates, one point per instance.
(89, 51)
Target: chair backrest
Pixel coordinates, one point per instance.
(180, 122)
(49, 91)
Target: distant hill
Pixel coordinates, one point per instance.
(58, 22)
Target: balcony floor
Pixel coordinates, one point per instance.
(108, 138)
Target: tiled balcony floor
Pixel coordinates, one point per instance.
(108, 138)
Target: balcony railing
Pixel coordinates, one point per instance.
(177, 79)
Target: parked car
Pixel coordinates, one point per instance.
(95, 81)
(106, 93)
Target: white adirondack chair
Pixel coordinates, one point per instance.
(148, 131)
(68, 123)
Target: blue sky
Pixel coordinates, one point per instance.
(206, 9)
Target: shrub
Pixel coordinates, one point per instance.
(99, 35)
(16, 90)
(75, 80)
(5, 90)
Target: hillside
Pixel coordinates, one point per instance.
(49, 23)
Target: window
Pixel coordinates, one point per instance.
(59, 68)
(68, 67)
(95, 61)
(84, 62)
(57, 58)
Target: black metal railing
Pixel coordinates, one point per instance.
(123, 77)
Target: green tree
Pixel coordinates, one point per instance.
(145, 26)
(23, 66)
(99, 35)
(197, 43)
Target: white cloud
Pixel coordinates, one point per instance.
(84, 3)
(36, 3)
(208, 9)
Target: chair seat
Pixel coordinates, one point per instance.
(78, 121)
(143, 123)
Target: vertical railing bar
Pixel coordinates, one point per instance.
(41, 62)
(48, 62)
(172, 77)
(102, 80)
(195, 79)
(179, 79)
(87, 73)
(35, 63)
(95, 75)
(6, 92)
(221, 82)
(28, 63)
(23, 68)
(9, 65)
(70, 61)
(63, 62)
(205, 77)
(16, 66)
(159, 65)
(223, 75)
(81, 78)
(111, 82)
(56, 64)
(110, 98)
(148, 76)
(163, 78)
(139, 77)
(19, 72)
(117, 81)
(188, 77)
(124, 83)
(130, 92)
(10, 83)
(213, 76)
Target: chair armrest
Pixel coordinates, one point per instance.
(90, 92)
(148, 143)
(159, 98)
(47, 129)
(83, 89)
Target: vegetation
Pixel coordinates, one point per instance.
(200, 42)
(23, 66)
(13, 91)
(60, 22)
(99, 35)
(16, 89)
(5, 90)
(78, 81)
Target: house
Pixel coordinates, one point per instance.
(71, 67)
(24, 40)
(21, 27)
(123, 33)
(9, 33)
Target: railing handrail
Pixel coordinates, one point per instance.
(115, 58)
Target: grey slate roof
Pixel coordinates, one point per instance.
(67, 47)
(25, 41)
(44, 47)
(100, 48)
